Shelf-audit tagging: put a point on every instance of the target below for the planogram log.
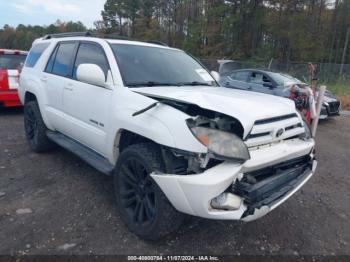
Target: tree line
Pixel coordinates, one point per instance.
(286, 30)
(22, 36)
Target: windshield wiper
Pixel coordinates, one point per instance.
(194, 83)
(152, 83)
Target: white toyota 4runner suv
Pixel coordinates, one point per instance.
(154, 118)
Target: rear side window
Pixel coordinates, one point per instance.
(11, 61)
(63, 60)
(35, 53)
(240, 76)
(91, 54)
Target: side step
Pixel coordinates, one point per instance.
(91, 157)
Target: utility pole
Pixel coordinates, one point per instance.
(344, 51)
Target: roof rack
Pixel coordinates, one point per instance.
(70, 34)
(99, 35)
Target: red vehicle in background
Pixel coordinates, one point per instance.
(11, 62)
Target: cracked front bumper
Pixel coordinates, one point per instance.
(192, 194)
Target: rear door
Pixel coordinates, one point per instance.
(54, 78)
(86, 106)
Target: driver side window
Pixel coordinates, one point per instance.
(259, 78)
(89, 53)
(256, 78)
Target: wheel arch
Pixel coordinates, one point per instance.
(29, 96)
(32, 95)
(125, 138)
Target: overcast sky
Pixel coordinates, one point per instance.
(45, 12)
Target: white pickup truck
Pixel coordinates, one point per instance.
(154, 118)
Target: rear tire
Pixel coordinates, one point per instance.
(35, 128)
(142, 204)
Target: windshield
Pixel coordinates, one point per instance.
(12, 61)
(151, 66)
(282, 79)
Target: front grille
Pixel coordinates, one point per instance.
(265, 186)
(334, 107)
(266, 131)
(274, 119)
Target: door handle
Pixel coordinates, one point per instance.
(69, 87)
(43, 79)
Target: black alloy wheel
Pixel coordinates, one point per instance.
(137, 192)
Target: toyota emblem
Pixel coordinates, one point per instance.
(279, 132)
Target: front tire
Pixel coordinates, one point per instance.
(142, 205)
(35, 128)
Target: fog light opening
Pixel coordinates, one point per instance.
(226, 201)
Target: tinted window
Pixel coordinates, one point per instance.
(63, 60)
(51, 61)
(240, 76)
(35, 53)
(144, 64)
(12, 61)
(91, 54)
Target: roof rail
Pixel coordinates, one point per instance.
(69, 34)
(98, 35)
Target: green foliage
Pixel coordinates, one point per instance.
(340, 87)
(193, 39)
(23, 36)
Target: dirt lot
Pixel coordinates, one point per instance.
(56, 204)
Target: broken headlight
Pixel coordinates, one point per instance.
(307, 135)
(222, 144)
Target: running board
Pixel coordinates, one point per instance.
(91, 157)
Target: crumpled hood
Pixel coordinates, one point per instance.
(245, 106)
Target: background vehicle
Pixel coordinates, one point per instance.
(274, 83)
(154, 118)
(11, 62)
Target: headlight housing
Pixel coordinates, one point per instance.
(307, 135)
(222, 145)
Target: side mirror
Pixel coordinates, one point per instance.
(91, 74)
(269, 85)
(215, 75)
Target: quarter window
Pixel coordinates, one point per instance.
(90, 54)
(35, 53)
(63, 60)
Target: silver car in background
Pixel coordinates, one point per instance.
(273, 83)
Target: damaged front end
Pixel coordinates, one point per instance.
(240, 177)
(219, 133)
(238, 185)
(225, 191)
(264, 189)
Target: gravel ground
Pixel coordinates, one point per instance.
(56, 204)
